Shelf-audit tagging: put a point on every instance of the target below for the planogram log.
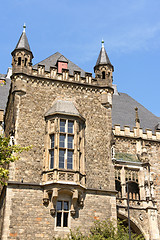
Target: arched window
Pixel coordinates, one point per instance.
(19, 61)
(103, 75)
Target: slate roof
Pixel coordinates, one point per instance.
(63, 107)
(103, 57)
(23, 42)
(4, 91)
(62, 59)
(52, 60)
(123, 113)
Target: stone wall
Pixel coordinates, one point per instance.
(30, 125)
(29, 219)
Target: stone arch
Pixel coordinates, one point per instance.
(135, 226)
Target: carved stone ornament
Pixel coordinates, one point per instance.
(52, 211)
(73, 212)
(141, 217)
(45, 201)
(81, 201)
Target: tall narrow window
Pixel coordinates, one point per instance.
(103, 75)
(25, 62)
(66, 144)
(52, 151)
(62, 213)
(19, 61)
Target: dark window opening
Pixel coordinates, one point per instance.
(103, 75)
(25, 62)
(133, 189)
(118, 189)
(19, 61)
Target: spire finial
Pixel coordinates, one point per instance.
(102, 42)
(137, 120)
(137, 117)
(24, 27)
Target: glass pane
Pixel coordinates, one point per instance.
(66, 207)
(59, 217)
(70, 160)
(59, 205)
(52, 141)
(52, 159)
(70, 126)
(70, 142)
(61, 158)
(62, 141)
(62, 125)
(65, 219)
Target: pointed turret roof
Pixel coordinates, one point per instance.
(23, 41)
(103, 57)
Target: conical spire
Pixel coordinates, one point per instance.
(23, 41)
(103, 57)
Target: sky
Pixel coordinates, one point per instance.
(130, 29)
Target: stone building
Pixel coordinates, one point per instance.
(88, 143)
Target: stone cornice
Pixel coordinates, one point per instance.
(41, 185)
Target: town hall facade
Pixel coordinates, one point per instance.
(88, 142)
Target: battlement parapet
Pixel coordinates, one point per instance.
(63, 76)
(136, 133)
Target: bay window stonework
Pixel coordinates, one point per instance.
(64, 159)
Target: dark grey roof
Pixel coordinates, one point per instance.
(103, 57)
(52, 60)
(23, 42)
(63, 107)
(4, 91)
(62, 59)
(123, 113)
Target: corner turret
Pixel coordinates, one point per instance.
(22, 55)
(103, 68)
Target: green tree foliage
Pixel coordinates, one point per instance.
(8, 154)
(105, 230)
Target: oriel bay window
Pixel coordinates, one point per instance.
(64, 140)
(65, 145)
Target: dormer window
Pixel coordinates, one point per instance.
(62, 63)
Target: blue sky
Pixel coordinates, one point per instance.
(130, 29)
